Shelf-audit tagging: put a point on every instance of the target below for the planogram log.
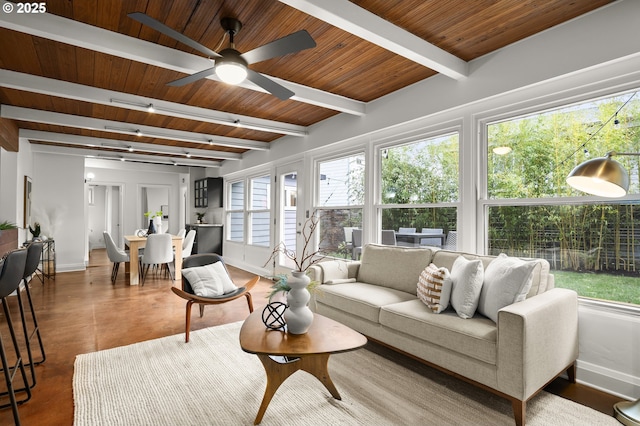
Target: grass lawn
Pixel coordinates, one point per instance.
(617, 288)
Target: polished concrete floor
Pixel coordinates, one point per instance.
(81, 312)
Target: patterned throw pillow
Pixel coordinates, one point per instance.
(434, 288)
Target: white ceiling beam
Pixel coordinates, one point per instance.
(368, 26)
(75, 121)
(76, 33)
(89, 153)
(124, 146)
(64, 89)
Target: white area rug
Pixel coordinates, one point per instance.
(211, 381)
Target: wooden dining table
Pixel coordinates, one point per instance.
(135, 243)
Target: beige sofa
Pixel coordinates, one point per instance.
(532, 342)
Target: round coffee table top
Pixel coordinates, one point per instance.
(324, 336)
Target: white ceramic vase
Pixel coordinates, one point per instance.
(298, 317)
(157, 223)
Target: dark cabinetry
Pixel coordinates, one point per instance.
(208, 192)
(208, 238)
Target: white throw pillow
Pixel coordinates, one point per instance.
(467, 277)
(507, 280)
(434, 288)
(209, 280)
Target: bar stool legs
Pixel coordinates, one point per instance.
(34, 253)
(11, 274)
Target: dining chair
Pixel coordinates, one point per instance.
(348, 237)
(388, 237)
(115, 254)
(157, 251)
(356, 251)
(434, 242)
(187, 243)
(11, 272)
(405, 241)
(192, 263)
(406, 230)
(182, 233)
(451, 243)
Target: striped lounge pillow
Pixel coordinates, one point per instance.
(434, 288)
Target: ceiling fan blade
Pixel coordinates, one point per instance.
(269, 85)
(162, 28)
(191, 78)
(292, 43)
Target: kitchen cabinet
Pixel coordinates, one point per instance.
(208, 238)
(208, 192)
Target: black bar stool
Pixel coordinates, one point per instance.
(34, 253)
(12, 271)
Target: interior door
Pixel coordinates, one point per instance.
(290, 215)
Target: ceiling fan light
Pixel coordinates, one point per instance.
(231, 68)
(600, 176)
(231, 73)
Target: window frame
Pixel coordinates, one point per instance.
(390, 143)
(484, 203)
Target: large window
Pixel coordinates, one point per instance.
(340, 189)
(592, 243)
(260, 211)
(419, 188)
(235, 212)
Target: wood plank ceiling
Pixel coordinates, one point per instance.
(206, 122)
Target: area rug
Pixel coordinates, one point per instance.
(211, 381)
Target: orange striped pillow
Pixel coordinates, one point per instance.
(434, 288)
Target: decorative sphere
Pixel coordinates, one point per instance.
(273, 315)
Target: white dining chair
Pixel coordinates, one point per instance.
(187, 243)
(157, 251)
(115, 254)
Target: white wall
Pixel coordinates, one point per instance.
(59, 206)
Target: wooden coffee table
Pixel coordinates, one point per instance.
(282, 354)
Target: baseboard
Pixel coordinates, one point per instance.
(607, 380)
(70, 267)
(247, 267)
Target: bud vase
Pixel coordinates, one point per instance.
(298, 317)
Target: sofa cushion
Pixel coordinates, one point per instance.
(507, 280)
(476, 339)
(361, 299)
(541, 282)
(434, 288)
(393, 266)
(467, 276)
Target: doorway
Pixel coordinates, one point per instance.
(104, 213)
(290, 213)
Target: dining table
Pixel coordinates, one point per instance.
(416, 237)
(134, 243)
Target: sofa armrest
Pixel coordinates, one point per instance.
(537, 340)
(338, 270)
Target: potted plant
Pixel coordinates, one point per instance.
(298, 316)
(35, 231)
(200, 216)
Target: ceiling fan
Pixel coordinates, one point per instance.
(231, 66)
